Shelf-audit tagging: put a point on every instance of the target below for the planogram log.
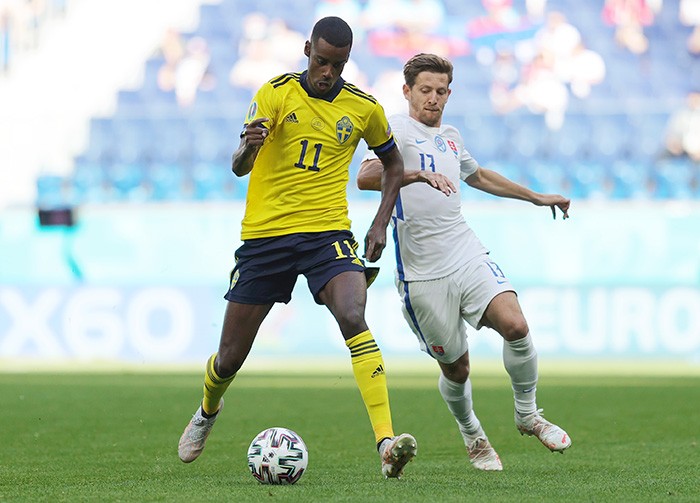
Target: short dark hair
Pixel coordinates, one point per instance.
(333, 30)
(426, 63)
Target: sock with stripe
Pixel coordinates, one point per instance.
(520, 360)
(368, 368)
(214, 388)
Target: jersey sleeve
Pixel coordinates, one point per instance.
(378, 134)
(397, 130)
(467, 163)
(262, 105)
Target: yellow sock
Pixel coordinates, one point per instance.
(368, 367)
(214, 387)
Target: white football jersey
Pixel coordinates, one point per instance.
(431, 235)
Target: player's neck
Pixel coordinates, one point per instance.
(419, 121)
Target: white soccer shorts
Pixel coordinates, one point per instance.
(437, 309)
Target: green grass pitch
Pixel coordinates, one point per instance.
(113, 437)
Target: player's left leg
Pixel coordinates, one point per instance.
(345, 295)
(504, 315)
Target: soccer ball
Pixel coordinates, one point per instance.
(277, 456)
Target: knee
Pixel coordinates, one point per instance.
(515, 329)
(457, 372)
(352, 322)
(227, 363)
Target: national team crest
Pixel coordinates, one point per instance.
(439, 350)
(440, 143)
(453, 147)
(343, 129)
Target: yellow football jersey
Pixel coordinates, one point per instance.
(299, 179)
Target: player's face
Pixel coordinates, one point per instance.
(427, 97)
(326, 63)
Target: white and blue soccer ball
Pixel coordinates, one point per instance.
(277, 456)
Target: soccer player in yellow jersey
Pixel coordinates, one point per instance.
(300, 134)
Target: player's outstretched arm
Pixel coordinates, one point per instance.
(491, 182)
(391, 178)
(252, 139)
(370, 178)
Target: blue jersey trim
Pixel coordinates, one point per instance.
(414, 320)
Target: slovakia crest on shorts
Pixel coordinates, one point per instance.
(453, 147)
(439, 350)
(343, 129)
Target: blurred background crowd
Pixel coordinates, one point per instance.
(597, 100)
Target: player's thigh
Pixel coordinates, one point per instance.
(479, 282)
(432, 310)
(329, 254)
(506, 317)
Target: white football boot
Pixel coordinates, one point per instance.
(195, 435)
(482, 456)
(552, 437)
(396, 453)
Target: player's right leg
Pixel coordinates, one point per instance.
(432, 310)
(241, 323)
(264, 274)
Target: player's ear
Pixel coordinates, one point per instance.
(406, 91)
(307, 49)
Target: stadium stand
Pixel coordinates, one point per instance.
(609, 146)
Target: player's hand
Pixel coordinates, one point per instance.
(255, 132)
(437, 181)
(375, 241)
(555, 201)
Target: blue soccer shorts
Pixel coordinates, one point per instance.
(267, 268)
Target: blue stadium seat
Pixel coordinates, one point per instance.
(674, 179)
(51, 192)
(131, 139)
(213, 181)
(160, 103)
(525, 136)
(572, 141)
(610, 137)
(648, 131)
(150, 74)
(88, 183)
(127, 180)
(212, 22)
(590, 180)
(213, 139)
(130, 103)
(548, 177)
(167, 181)
(171, 140)
(631, 179)
(100, 140)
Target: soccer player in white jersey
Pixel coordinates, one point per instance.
(444, 274)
